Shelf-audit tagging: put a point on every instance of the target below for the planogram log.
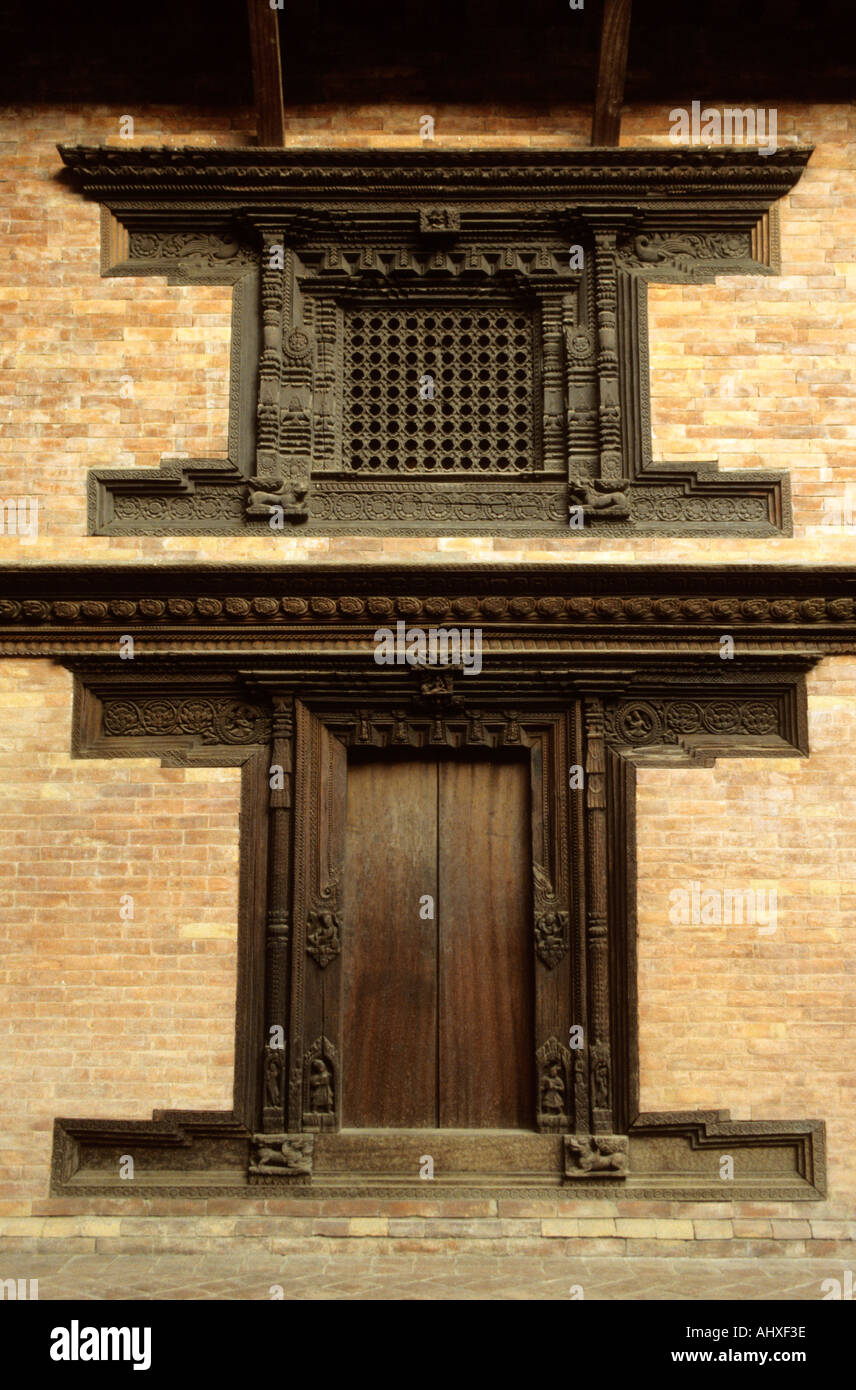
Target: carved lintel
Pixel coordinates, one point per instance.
(286, 1156)
(596, 1156)
(552, 921)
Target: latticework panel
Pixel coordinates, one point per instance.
(439, 390)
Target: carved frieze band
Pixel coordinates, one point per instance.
(211, 720)
(436, 608)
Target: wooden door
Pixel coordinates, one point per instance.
(437, 1010)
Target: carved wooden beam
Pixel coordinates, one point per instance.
(611, 68)
(267, 73)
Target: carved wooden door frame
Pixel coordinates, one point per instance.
(603, 668)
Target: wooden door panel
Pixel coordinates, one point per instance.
(485, 946)
(390, 996)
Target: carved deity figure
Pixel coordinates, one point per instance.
(273, 1079)
(601, 1083)
(320, 1087)
(553, 1090)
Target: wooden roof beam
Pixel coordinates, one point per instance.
(267, 73)
(611, 70)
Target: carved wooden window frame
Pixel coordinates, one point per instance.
(302, 233)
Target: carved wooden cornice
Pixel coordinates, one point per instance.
(516, 281)
(665, 608)
(627, 172)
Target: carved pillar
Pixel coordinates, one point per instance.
(553, 382)
(278, 915)
(270, 361)
(597, 939)
(609, 409)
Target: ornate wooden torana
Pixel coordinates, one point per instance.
(431, 342)
(586, 669)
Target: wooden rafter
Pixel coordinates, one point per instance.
(611, 69)
(267, 73)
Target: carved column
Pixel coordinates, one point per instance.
(597, 938)
(270, 361)
(609, 409)
(553, 382)
(278, 915)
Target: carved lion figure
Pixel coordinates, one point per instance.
(289, 496)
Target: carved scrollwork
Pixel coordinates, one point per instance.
(648, 722)
(687, 251)
(203, 250)
(225, 720)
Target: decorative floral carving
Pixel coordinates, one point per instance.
(212, 720)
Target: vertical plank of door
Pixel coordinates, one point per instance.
(485, 946)
(389, 961)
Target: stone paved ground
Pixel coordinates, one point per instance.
(416, 1277)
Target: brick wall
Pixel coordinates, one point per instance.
(102, 1014)
(93, 1008)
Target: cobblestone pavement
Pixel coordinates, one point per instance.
(416, 1277)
